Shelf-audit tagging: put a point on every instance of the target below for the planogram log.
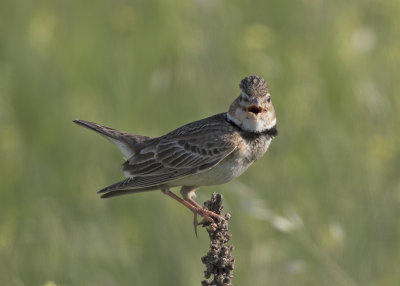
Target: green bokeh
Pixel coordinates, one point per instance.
(321, 208)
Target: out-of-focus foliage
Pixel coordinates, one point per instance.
(321, 208)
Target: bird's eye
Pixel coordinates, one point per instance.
(269, 98)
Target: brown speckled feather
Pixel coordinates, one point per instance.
(189, 149)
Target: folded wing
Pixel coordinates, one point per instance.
(185, 151)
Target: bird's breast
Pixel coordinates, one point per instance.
(225, 171)
(229, 168)
(249, 149)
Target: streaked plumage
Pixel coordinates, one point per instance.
(210, 151)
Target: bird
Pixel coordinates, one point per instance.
(207, 152)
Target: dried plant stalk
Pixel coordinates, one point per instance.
(219, 261)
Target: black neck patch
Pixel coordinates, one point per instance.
(271, 132)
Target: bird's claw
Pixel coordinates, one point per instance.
(195, 224)
(209, 218)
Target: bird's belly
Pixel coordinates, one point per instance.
(224, 172)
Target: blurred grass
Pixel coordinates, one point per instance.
(321, 208)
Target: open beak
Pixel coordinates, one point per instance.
(255, 109)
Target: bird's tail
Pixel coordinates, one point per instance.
(128, 143)
(124, 188)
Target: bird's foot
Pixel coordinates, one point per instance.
(209, 218)
(205, 213)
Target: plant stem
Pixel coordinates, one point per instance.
(219, 261)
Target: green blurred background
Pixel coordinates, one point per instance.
(322, 207)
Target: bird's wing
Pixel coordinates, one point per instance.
(177, 157)
(188, 150)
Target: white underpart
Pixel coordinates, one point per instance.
(127, 174)
(249, 124)
(272, 124)
(122, 147)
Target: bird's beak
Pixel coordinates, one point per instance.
(255, 107)
(255, 101)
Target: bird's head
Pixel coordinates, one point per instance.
(253, 110)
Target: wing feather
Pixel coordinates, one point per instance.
(193, 148)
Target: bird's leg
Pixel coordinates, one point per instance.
(207, 212)
(188, 193)
(187, 204)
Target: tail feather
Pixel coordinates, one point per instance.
(128, 143)
(125, 192)
(121, 185)
(124, 188)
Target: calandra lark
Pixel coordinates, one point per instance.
(210, 151)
